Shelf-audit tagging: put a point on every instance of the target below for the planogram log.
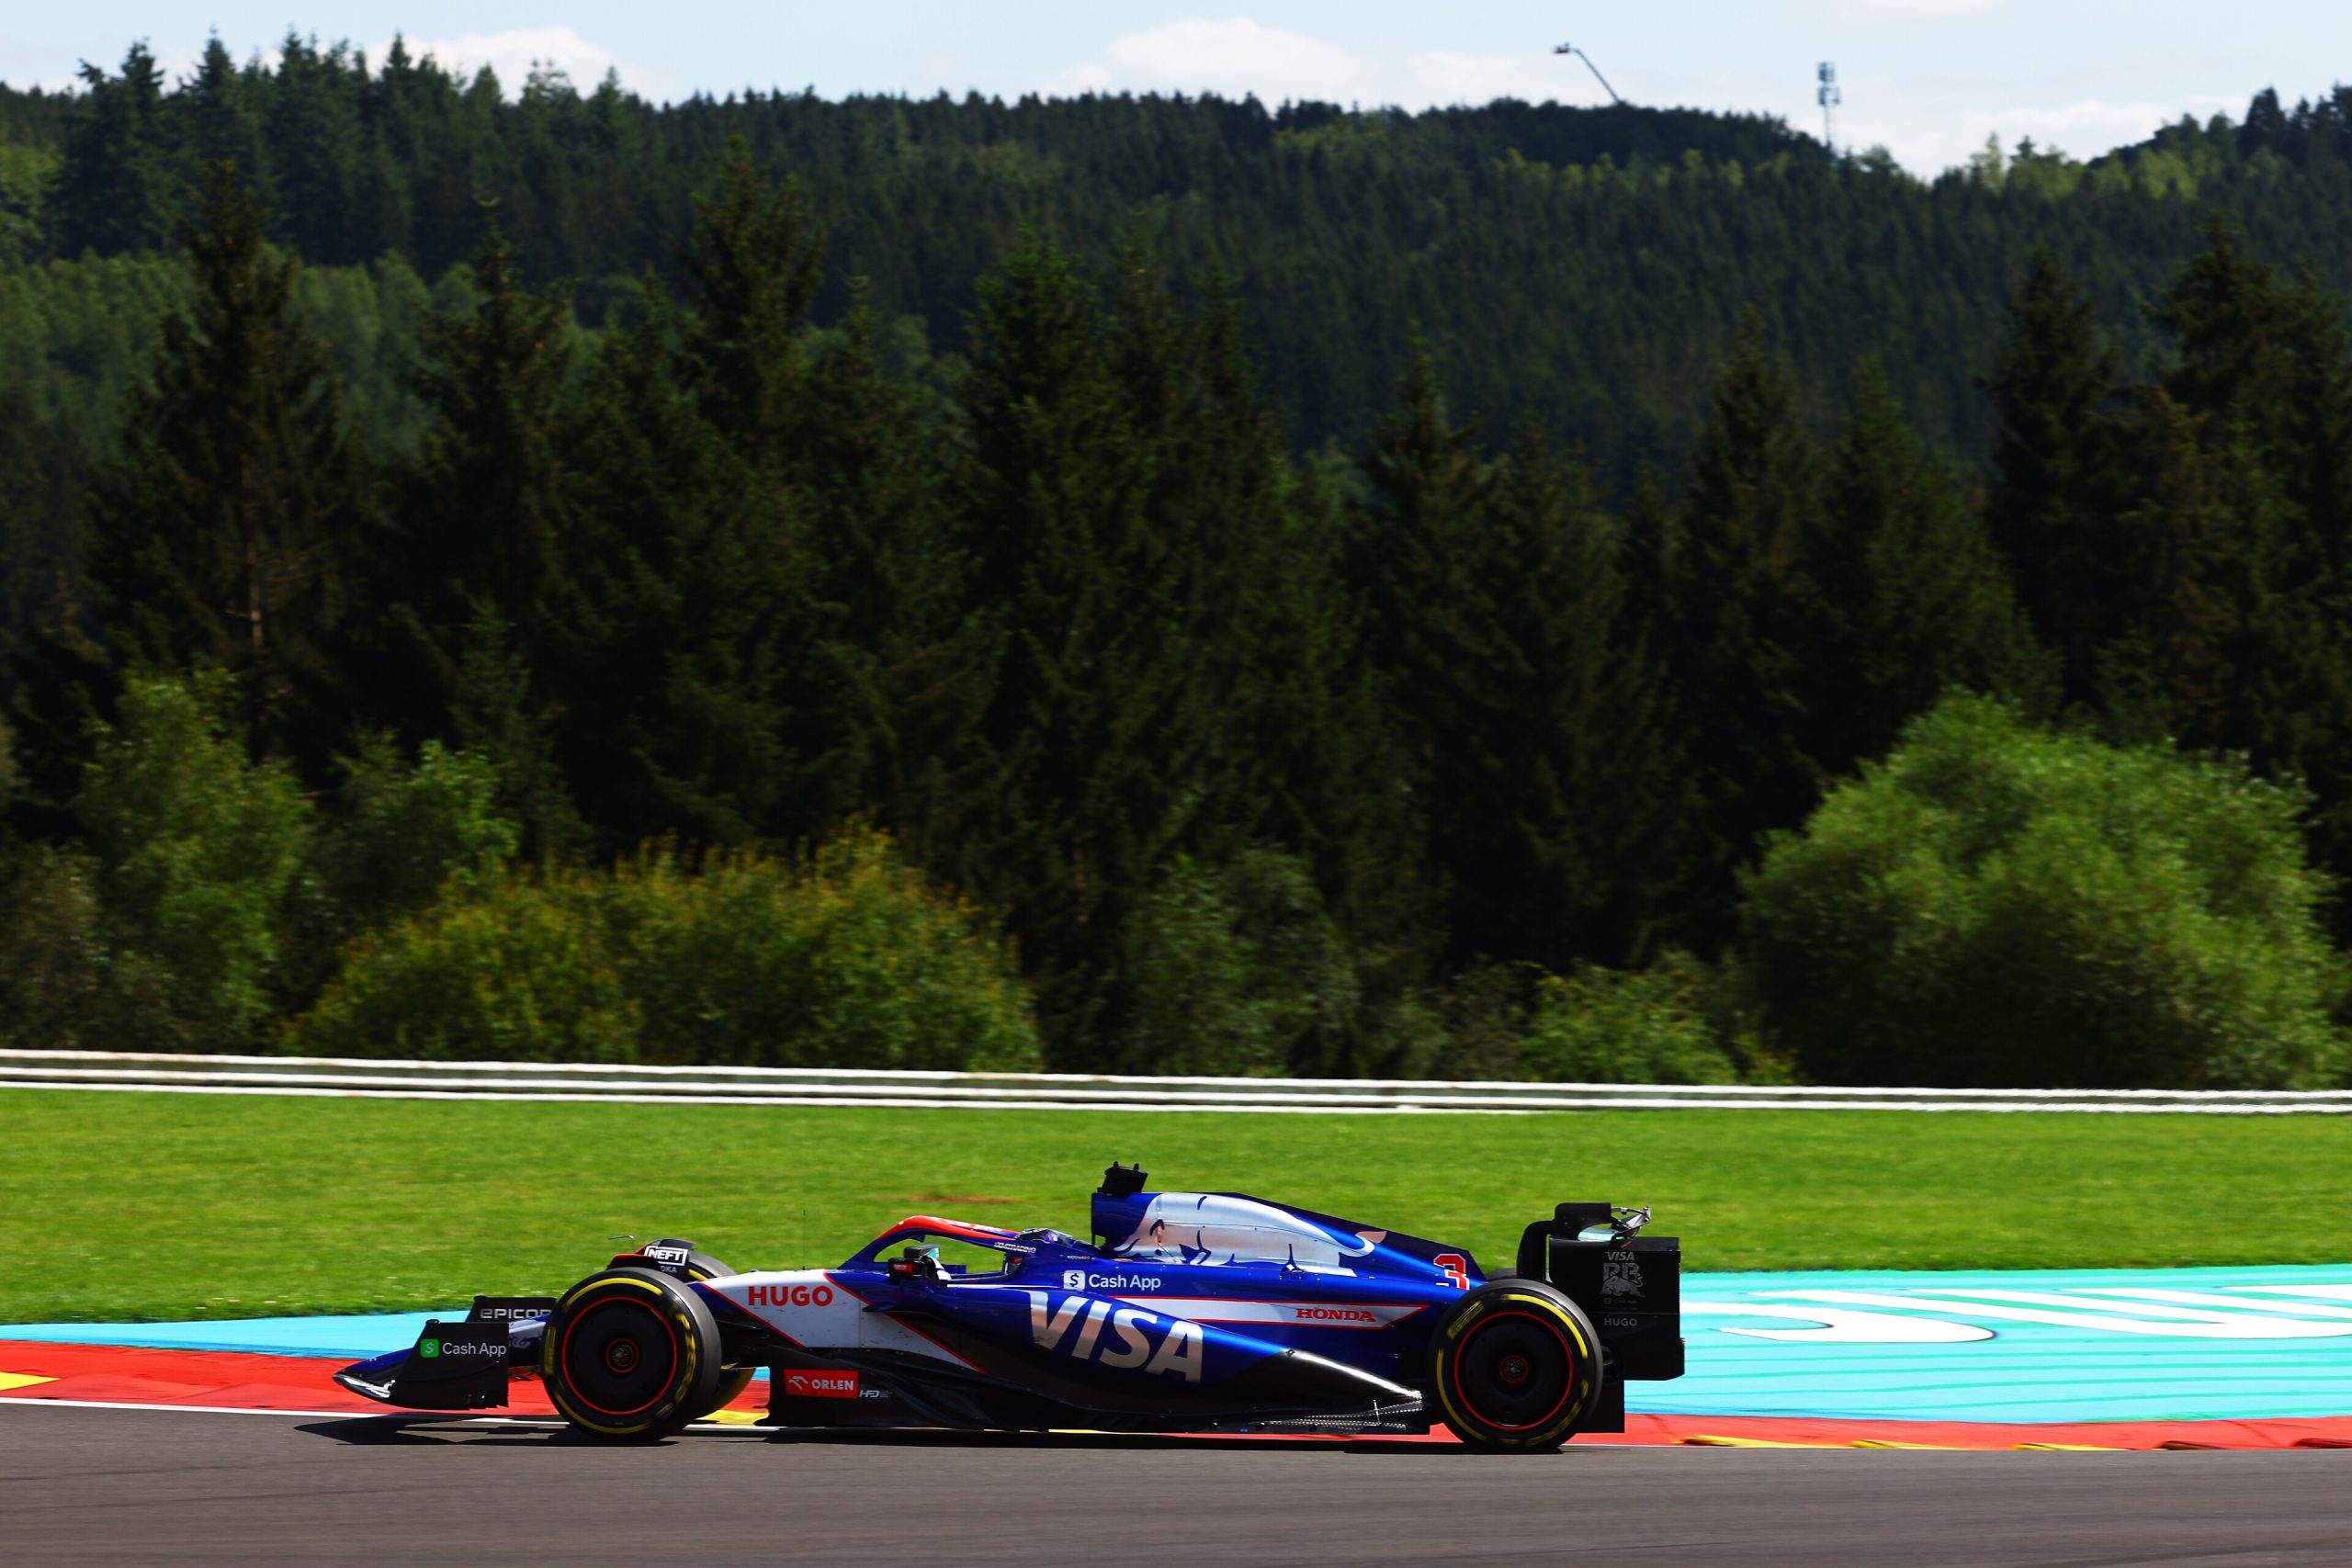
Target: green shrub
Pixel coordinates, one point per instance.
(1234, 971)
(53, 961)
(197, 849)
(1482, 1017)
(524, 974)
(398, 835)
(1998, 907)
(1653, 1026)
(1239, 970)
(845, 960)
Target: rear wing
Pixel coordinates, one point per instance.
(1629, 1284)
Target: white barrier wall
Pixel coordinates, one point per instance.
(115, 1070)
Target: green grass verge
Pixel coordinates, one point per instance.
(124, 1206)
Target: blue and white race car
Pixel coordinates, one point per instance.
(1189, 1312)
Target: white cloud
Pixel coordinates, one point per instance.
(28, 66)
(2094, 123)
(1931, 120)
(513, 54)
(1933, 125)
(1239, 56)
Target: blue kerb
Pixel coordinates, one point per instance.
(357, 1337)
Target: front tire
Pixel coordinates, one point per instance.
(1514, 1366)
(630, 1355)
(732, 1380)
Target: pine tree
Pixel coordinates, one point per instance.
(1550, 782)
(901, 663)
(499, 709)
(476, 569)
(1414, 571)
(396, 110)
(751, 274)
(317, 155)
(691, 619)
(2208, 601)
(1088, 789)
(2052, 496)
(2275, 363)
(486, 519)
(1337, 757)
(710, 678)
(119, 188)
(214, 535)
(1431, 488)
(2321, 478)
(1214, 518)
(1733, 594)
(45, 467)
(1564, 825)
(65, 684)
(218, 123)
(1908, 596)
(1427, 493)
(1270, 744)
(2234, 634)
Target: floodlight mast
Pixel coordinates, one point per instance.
(1571, 49)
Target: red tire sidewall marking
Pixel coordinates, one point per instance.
(563, 1356)
(1454, 1370)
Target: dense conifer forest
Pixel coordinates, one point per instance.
(1166, 584)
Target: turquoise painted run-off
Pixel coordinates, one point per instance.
(2080, 1345)
(2051, 1345)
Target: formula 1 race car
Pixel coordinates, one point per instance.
(1191, 1312)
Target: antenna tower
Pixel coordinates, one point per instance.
(1831, 97)
(1571, 49)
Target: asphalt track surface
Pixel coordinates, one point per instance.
(122, 1485)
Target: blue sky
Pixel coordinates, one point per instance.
(1930, 79)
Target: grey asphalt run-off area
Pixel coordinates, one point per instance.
(121, 1486)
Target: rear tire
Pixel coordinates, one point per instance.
(630, 1355)
(1514, 1366)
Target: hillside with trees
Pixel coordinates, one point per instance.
(1237, 590)
(1590, 265)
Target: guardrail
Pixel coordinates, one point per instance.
(637, 1085)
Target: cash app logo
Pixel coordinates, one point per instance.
(430, 1348)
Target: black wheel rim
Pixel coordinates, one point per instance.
(619, 1355)
(1514, 1371)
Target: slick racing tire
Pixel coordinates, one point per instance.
(630, 1355)
(732, 1380)
(1514, 1365)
